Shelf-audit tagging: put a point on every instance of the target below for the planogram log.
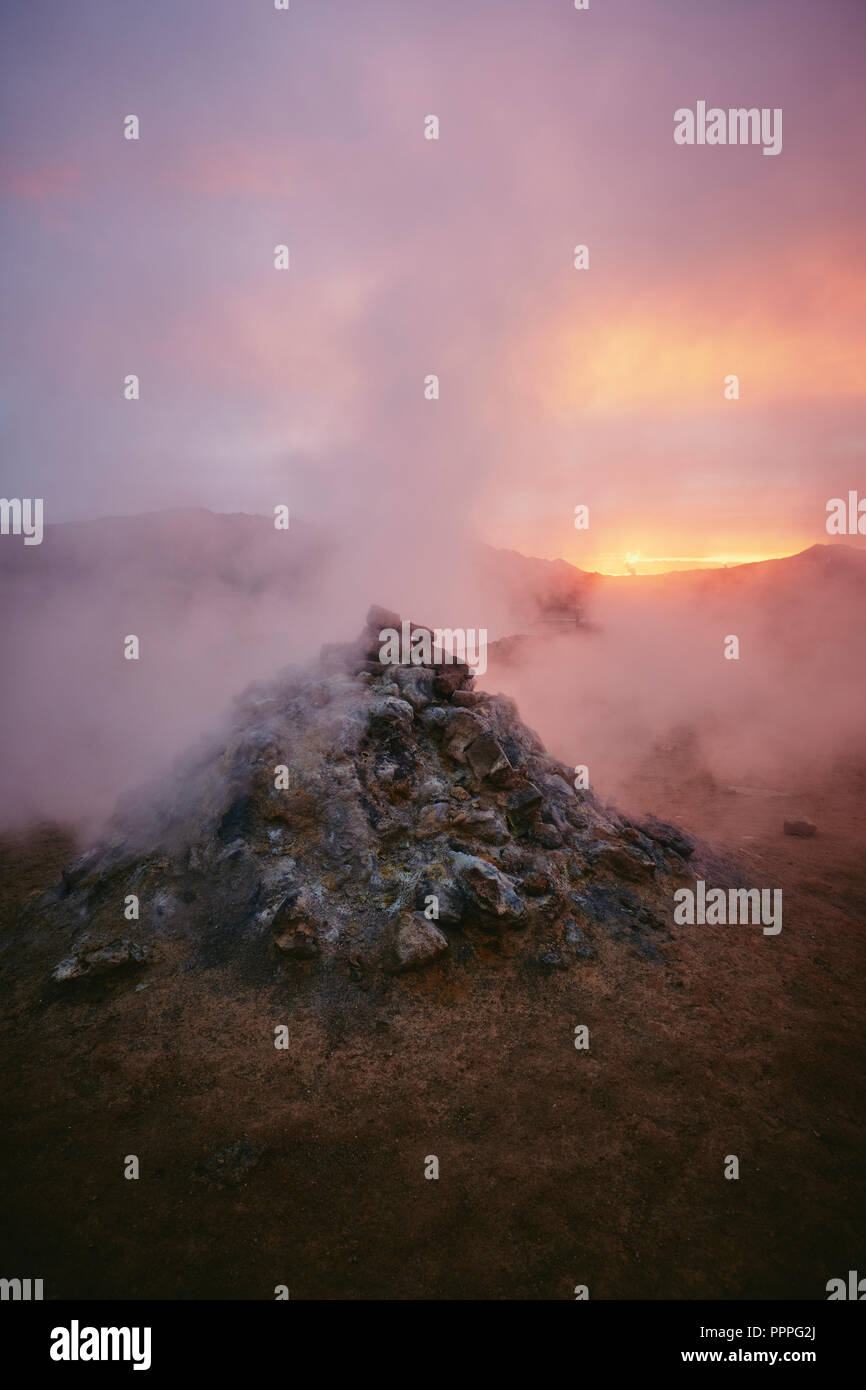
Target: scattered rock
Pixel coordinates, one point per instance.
(802, 829)
(553, 960)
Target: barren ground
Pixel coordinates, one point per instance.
(557, 1167)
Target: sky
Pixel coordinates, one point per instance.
(558, 387)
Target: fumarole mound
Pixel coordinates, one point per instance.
(366, 820)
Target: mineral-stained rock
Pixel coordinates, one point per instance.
(483, 823)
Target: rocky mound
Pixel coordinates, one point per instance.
(369, 819)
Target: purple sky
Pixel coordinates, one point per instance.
(410, 257)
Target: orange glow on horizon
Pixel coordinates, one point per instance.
(633, 563)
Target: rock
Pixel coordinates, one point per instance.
(522, 808)
(416, 685)
(461, 730)
(576, 938)
(537, 885)
(379, 618)
(450, 679)
(403, 783)
(451, 902)
(418, 942)
(435, 720)
(293, 926)
(434, 819)
(466, 699)
(553, 960)
(668, 836)
(802, 829)
(297, 943)
(486, 758)
(622, 861)
(389, 711)
(483, 823)
(491, 892)
(99, 961)
(547, 836)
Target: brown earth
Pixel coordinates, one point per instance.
(558, 1167)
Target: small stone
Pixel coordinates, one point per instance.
(802, 829)
(418, 942)
(552, 960)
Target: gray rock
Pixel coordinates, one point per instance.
(491, 892)
(418, 942)
(97, 961)
(416, 685)
(451, 901)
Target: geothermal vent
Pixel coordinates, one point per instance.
(361, 820)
